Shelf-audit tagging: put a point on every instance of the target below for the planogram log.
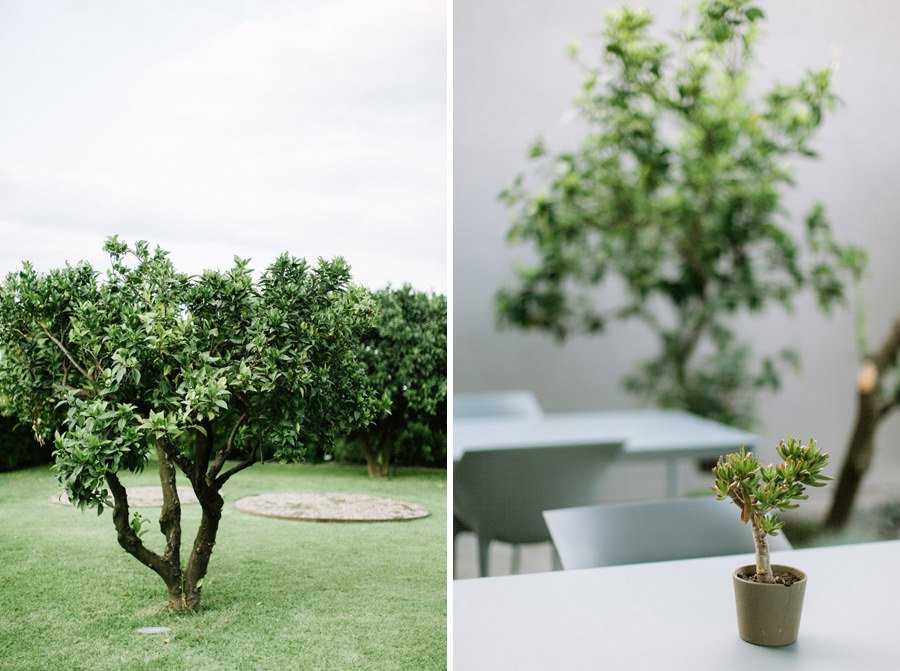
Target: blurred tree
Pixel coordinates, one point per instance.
(405, 354)
(151, 359)
(676, 189)
(878, 395)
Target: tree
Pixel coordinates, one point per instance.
(878, 395)
(676, 189)
(405, 354)
(151, 360)
(762, 492)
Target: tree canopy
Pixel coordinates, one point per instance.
(212, 373)
(405, 354)
(676, 189)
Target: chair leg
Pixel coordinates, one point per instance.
(516, 558)
(484, 544)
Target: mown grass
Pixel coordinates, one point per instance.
(279, 594)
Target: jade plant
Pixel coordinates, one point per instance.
(762, 492)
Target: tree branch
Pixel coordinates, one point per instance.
(63, 349)
(224, 454)
(170, 515)
(887, 408)
(203, 450)
(889, 349)
(127, 537)
(171, 451)
(246, 463)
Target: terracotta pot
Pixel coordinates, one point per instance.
(768, 614)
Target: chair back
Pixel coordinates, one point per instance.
(632, 533)
(502, 493)
(495, 404)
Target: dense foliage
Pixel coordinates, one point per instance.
(416, 445)
(405, 354)
(149, 359)
(761, 492)
(676, 190)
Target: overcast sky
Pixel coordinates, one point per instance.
(226, 127)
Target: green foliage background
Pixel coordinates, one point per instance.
(405, 357)
(18, 448)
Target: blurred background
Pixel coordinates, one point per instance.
(513, 80)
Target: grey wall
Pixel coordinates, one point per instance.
(512, 79)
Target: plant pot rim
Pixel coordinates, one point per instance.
(748, 568)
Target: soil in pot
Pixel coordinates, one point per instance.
(786, 578)
(769, 614)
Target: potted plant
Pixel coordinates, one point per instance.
(769, 598)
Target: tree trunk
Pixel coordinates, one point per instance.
(856, 463)
(170, 525)
(377, 457)
(763, 563)
(377, 469)
(167, 567)
(198, 563)
(184, 586)
(871, 409)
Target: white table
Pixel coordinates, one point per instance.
(679, 616)
(671, 435)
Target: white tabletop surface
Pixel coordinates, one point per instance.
(679, 616)
(646, 433)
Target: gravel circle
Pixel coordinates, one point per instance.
(330, 507)
(140, 497)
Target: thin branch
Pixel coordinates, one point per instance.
(245, 404)
(889, 349)
(223, 455)
(246, 463)
(887, 408)
(63, 349)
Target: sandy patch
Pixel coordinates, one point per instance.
(330, 507)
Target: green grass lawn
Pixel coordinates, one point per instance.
(279, 594)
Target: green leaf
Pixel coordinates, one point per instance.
(754, 14)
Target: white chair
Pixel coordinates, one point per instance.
(650, 531)
(496, 404)
(501, 494)
(513, 403)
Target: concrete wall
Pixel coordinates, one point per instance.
(512, 79)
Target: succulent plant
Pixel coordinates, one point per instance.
(762, 492)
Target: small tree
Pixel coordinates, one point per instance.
(763, 491)
(676, 190)
(150, 359)
(405, 354)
